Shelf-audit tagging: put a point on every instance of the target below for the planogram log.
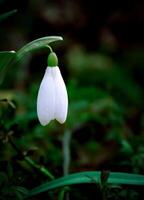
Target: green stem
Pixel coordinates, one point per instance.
(66, 152)
(41, 168)
(63, 192)
(31, 162)
(50, 48)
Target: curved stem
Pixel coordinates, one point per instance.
(31, 162)
(41, 168)
(50, 48)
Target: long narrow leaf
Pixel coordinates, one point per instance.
(6, 57)
(36, 44)
(7, 14)
(89, 177)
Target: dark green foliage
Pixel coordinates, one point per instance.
(101, 60)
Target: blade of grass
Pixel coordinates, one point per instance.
(9, 58)
(7, 14)
(36, 44)
(6, 57)
(89, 177)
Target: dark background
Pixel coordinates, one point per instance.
(102, 62)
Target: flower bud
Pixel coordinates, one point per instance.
(52, 60)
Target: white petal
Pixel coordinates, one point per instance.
(61, 97)
(46, 98)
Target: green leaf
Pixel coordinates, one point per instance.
(89, 177)
(6, 57)
(36, 44)
(7, 14)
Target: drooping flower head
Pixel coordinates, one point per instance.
(52, 100)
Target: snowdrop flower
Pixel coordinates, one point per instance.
(52, 100)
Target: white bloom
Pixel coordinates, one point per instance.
(52, 100)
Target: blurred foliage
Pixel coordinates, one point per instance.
(101, 59)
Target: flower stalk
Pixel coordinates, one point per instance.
(31, 162)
